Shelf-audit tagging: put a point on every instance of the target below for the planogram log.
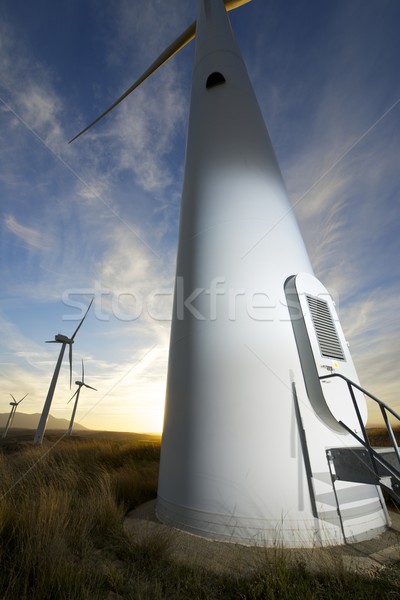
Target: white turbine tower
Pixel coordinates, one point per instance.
(10, 419)
(64, 341)
(249, 425)
(80, 384)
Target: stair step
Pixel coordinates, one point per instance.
(354, 464)
(389, 455)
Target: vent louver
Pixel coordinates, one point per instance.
(328, 340)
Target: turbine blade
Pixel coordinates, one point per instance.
(172, 49)
(73, 396)
(23, 398)
(232, 4)
(13, 397)
(168, 53)
(90, 387)
(70, 366)
(83, 373)
(52, 342)
(84, 317)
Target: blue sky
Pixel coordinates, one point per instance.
(102, 213)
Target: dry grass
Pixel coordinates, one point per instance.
(379, 436)
(62, 538)
(60, 506)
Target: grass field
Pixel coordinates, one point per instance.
(62, 537)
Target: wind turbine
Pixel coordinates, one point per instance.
(64, 341)
(80, 384)
(14, 405)
(249, 425)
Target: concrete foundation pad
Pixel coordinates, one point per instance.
(224, 557)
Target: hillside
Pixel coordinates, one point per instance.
(30, 421)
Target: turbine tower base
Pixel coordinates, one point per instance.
(298, 531)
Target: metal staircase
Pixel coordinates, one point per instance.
(366, 464)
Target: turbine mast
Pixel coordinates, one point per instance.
(46, 408)
(232, 463)
(9, 420)
(218, 391)
(71, 423)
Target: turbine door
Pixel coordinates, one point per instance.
(323, 350)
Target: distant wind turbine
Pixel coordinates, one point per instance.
(65, 341)
(80, 384)
(14, 405)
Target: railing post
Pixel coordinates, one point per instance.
(364, 431)
(390, 431)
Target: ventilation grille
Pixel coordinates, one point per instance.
(327, 336)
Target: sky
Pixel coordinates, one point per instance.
(100, 217)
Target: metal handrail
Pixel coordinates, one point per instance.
(384, 410)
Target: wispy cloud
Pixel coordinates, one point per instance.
(30, 236)
(144, 131)
(16, 344)
(373, 331)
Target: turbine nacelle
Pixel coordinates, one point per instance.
(15, 403)
(81, 383)
(64, 339)
(61, 339)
